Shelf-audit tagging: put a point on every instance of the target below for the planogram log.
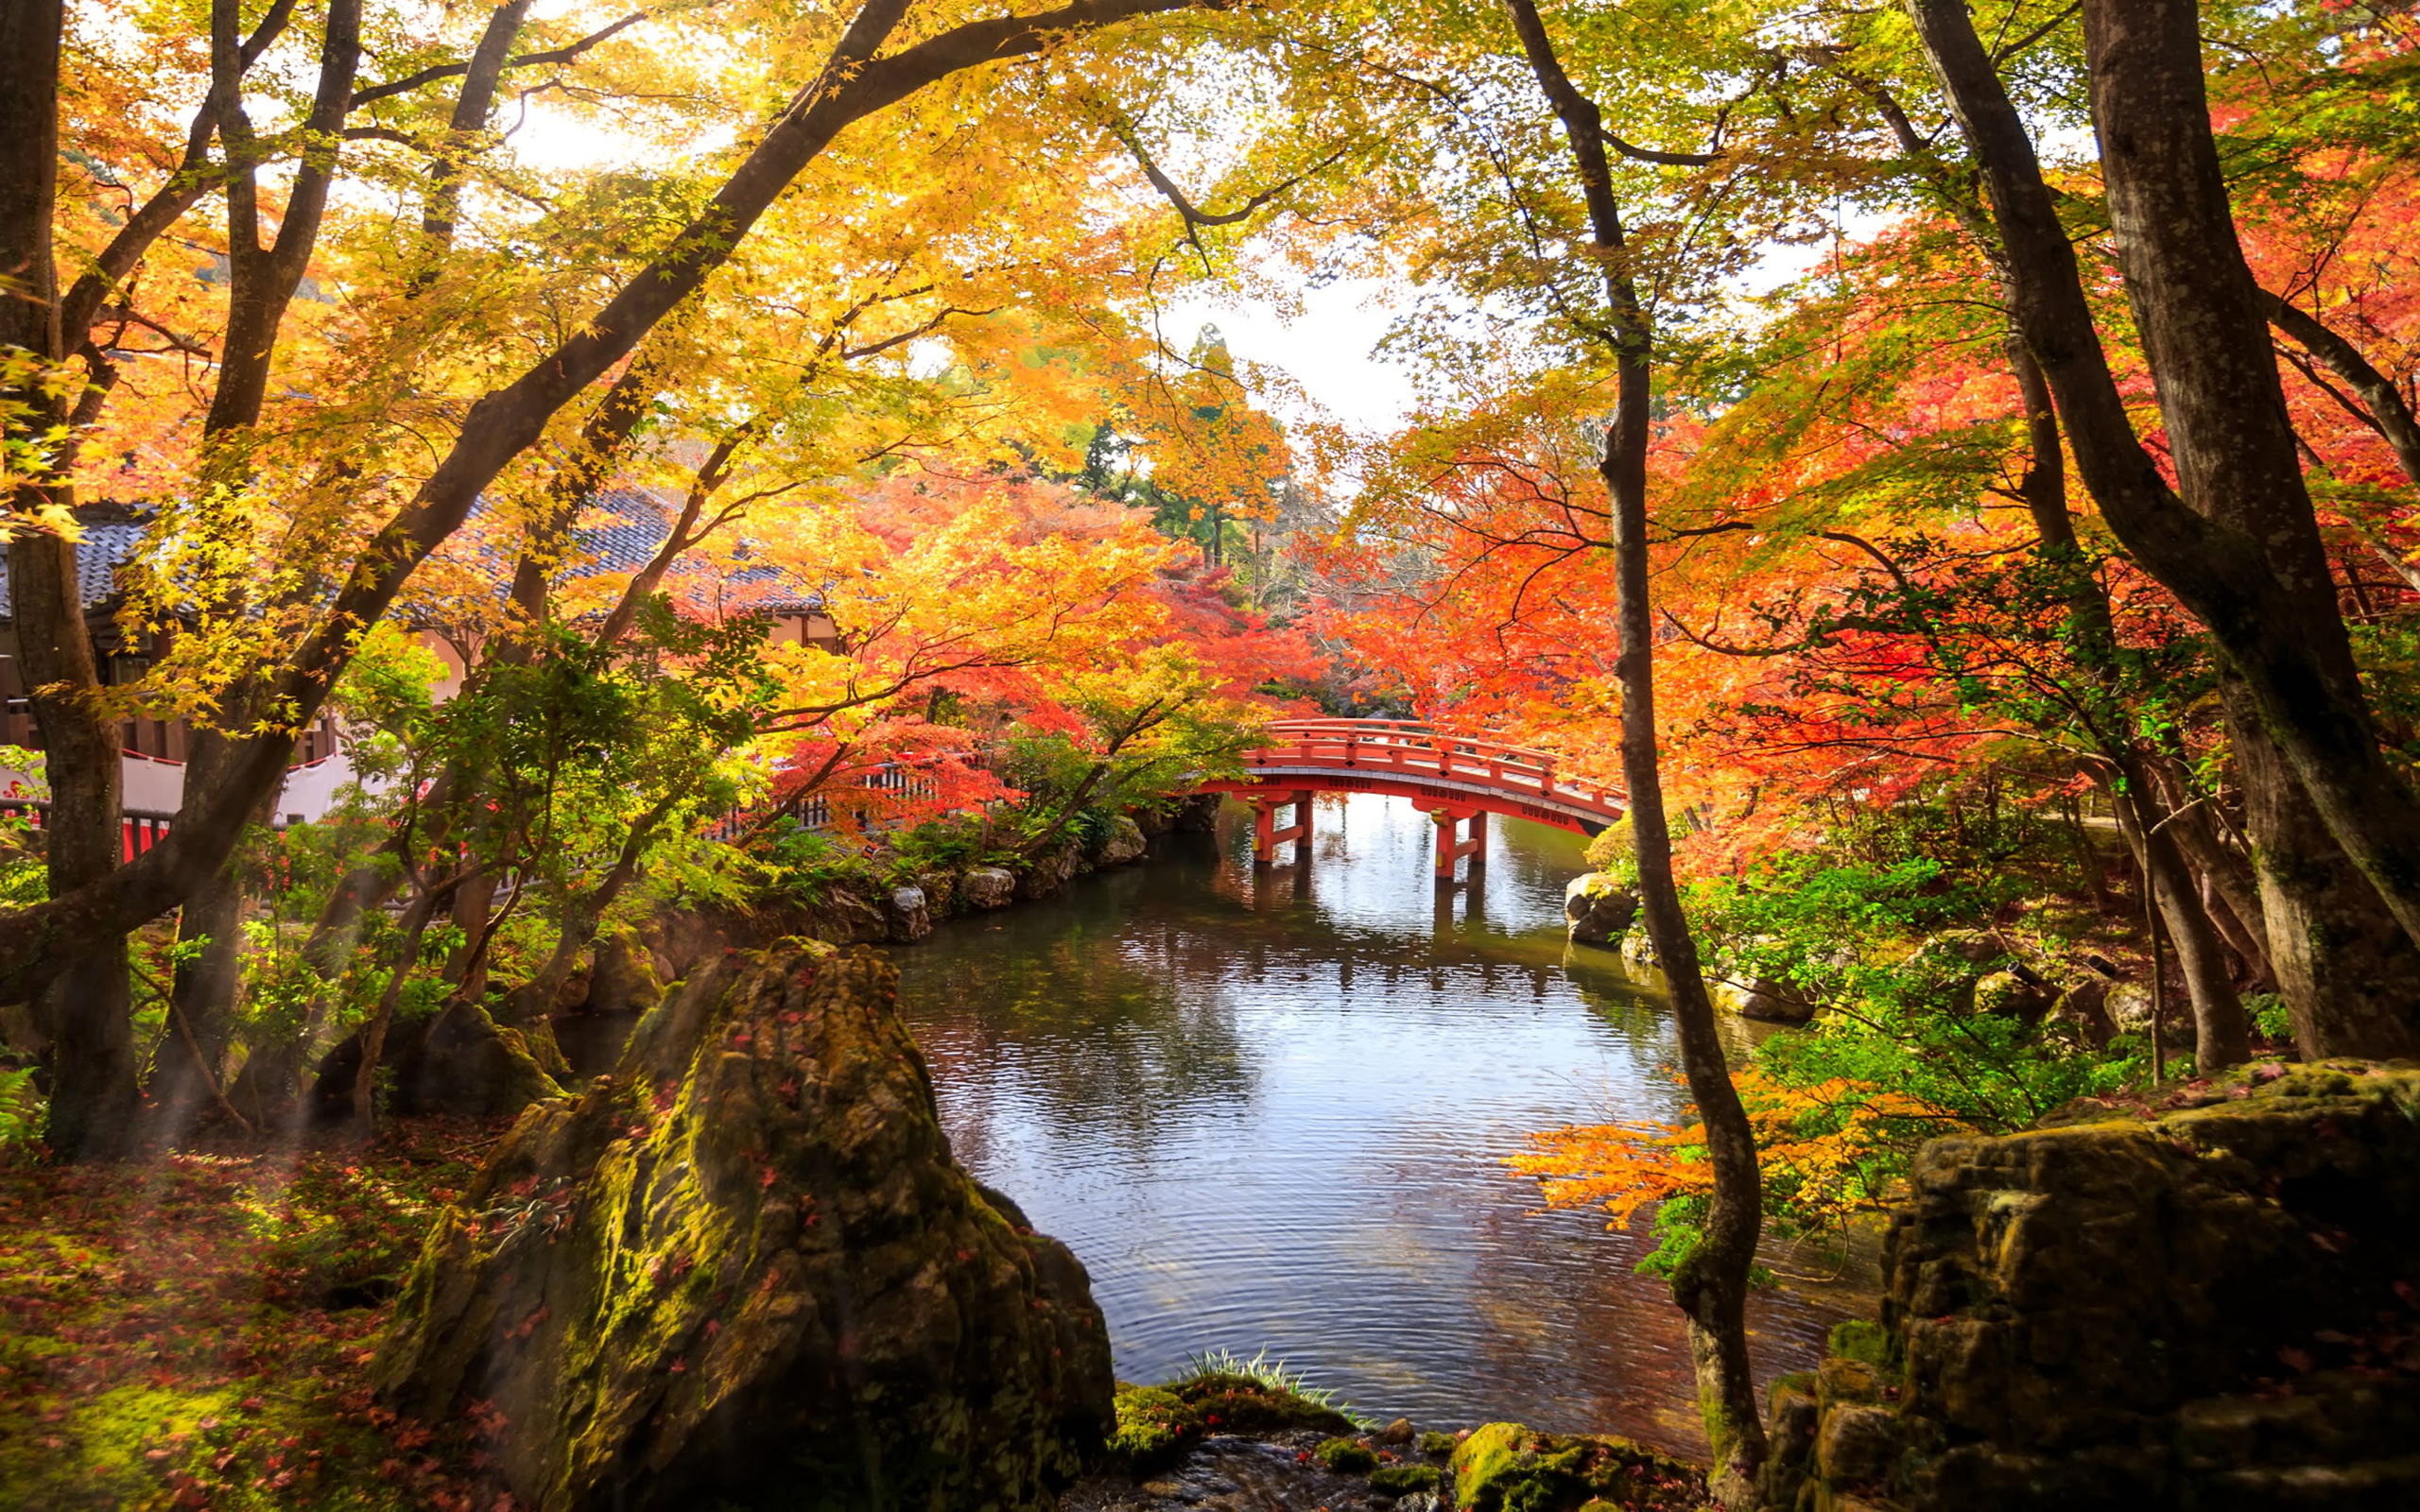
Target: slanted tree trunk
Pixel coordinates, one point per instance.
(2240, 548)
(1711, 1286)
(855, 81)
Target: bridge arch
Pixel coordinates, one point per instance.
(1456, 778)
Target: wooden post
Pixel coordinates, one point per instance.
(1267, 837)
(1449, 848)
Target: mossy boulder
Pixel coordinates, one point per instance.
(458, 1062)
(1597, 909)
(1046, 874)
(988, 888)
(2007, 995)
(623, 977)
(1507, 1467)
(743, 1270)
(1124, 842)
(910, 913)
(941, 893)
(1402, 1480)
(2208, 1308)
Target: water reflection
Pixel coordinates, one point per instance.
(1264, 1105)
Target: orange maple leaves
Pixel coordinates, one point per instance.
(1819, 1147)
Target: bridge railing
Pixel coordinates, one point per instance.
(1414, 751)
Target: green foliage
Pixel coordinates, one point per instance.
(2270, 1017)
(1614, 851)
(20, 1105)
(1862, 1339)
(1220, 1393)
(795, 862)
(1901, 1053)
(25, 878)
(1402, 1480)
(1435, 1443)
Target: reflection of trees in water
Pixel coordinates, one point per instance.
(1102, 1043)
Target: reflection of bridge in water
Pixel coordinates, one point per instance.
(1456, 778)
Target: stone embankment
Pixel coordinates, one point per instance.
(1227, 1444)
(2215, 1307)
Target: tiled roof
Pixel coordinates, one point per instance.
(99, 552)
(638, 527)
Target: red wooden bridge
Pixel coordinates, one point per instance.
(1456, 778)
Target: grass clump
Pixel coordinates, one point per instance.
(1269, 1376)
(1346, 1456)
(1437, 1445)
(1863, 1340)
(1222, 1394)
(1402, 1480)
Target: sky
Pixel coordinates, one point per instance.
(1326, 346)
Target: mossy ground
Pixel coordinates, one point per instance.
(1508, 1468)
(1157, 1424)
(191, 1331)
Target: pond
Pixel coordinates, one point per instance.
(1266, 1110)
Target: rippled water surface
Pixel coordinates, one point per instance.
(1266, 1110)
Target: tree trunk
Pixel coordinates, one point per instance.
(203, 995)
(414, 923)
(2232, 895)
(466, 965)
(1711, 1285)
(2221, 1034)
(2349, 975)
(85, 1008)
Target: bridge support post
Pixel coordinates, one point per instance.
(1451, 848)
(1266, 837)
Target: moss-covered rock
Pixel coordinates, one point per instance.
(1346, 1456)
(941, 893)
(1154, 1426)
(623, 978)
(2111, 1312)
(1597, 909)
(1402, 1480)
(1506, 1468)
(743, 1269)
(1124, 842)
(988, 888)
(459, 1062)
